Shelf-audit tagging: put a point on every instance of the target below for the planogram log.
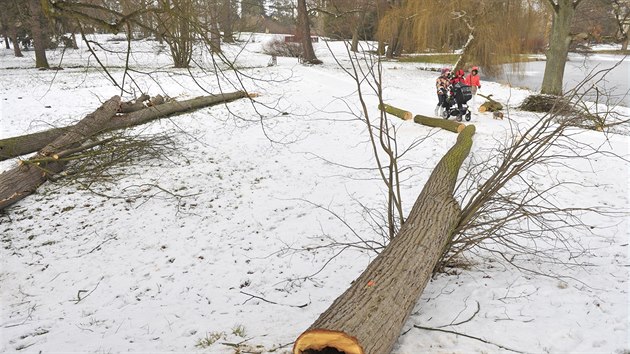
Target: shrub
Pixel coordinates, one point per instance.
(280, 48)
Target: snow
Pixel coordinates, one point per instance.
(185, 249)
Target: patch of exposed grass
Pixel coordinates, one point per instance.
(612, 51)
(429, 58)
(452, 58)
(209, 339)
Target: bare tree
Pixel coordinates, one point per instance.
(559, 41)
(227, 20)
(621, 11)
(39, 37)
(11, 15)
(303, 33)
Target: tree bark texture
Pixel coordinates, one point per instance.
(304, 34)
(368, 317)
(400, 113)
(559, 41)
(25, 144)
(228, 22)
(5, 28)
(19, 182)
(39, 40)
(445, 124)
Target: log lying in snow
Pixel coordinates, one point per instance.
(19, 182)
(400, 113)
(368, 317)
(25, 144)
(490, 105)
(449, 125)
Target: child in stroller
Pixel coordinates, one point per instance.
(458, 94)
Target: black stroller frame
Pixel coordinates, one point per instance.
(458, 96)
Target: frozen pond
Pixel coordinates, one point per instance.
(577, 68)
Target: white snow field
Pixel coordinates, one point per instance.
(223, 246)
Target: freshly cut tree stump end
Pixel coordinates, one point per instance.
(460, 128)
(482, 109)
(325, 341)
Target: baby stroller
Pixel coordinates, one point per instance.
(458, 95)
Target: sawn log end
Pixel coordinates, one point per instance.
(317, 340)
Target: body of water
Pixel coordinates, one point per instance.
(616, 82)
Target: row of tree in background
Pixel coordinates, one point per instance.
(488, 32)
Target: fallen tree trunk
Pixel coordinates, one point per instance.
(449, 125)
(24, 179)
(368, 317)
(17, 183)
(170, 108)
(25, 144)
(400, 113)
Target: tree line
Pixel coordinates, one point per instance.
(489, 32)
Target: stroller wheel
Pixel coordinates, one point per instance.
(468, 116)
(445, 113)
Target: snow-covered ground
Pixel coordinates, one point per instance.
(222, 245)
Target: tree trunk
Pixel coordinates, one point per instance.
(381, 9)
(460, 60)
(14, 38)
(5, 32)
(19, 182)
(25, 144)
(445, 124)
(215, 36)
(368, 317)
(624, 44)
(39, 40)
(228, 22)
(558, 50)
(303, 33)
(75, 45)
(356, 32)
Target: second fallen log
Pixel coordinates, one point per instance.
(26, 144)
(369, 316)
(24, 179)
(450, 125)
(400, 113)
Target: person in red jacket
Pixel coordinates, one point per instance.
(459, 77)
(472, 80)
